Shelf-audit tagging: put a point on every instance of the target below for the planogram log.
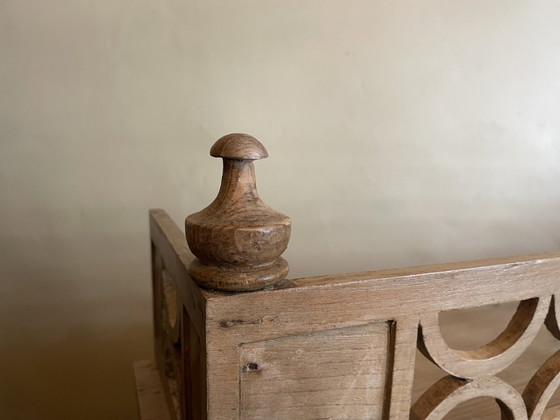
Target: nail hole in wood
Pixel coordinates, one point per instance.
(251, 367)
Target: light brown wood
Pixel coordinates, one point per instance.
(337, 373)
(541, 387)
(462, 329)
(342, 346)
(492, 357)
(275, 326)
(238, 239)
(450, 391)
(552, 413)
(467, 329)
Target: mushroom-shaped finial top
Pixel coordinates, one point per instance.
(239, 146)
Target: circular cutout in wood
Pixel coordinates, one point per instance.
(490, 358)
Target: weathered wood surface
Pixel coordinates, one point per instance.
(471, 328)
(463, 329)
(238, 239)
(242, 350)
(326, 374)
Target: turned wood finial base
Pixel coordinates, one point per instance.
(219, 278)
(238, 239)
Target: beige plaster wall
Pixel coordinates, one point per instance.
(400, 133)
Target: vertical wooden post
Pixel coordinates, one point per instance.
(238, 239)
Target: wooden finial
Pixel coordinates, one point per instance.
(238, 239)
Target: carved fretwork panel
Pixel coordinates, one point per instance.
(480, 372)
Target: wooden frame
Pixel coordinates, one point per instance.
(331, 347)
(226, 347)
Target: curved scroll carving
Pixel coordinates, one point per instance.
(492, 357)
(448, 392)
(541, 387)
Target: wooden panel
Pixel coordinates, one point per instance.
(329, 374)
(242, 348)
(345, 300)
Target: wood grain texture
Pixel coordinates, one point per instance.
(401, 352)
(352, 299)
(542, 386)
(238, 146)
(552, 413)
(469, 328)
(449, 392)
(461, 329)
(238, 239)
(327, 374)
(293, 351)
(492, 357)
